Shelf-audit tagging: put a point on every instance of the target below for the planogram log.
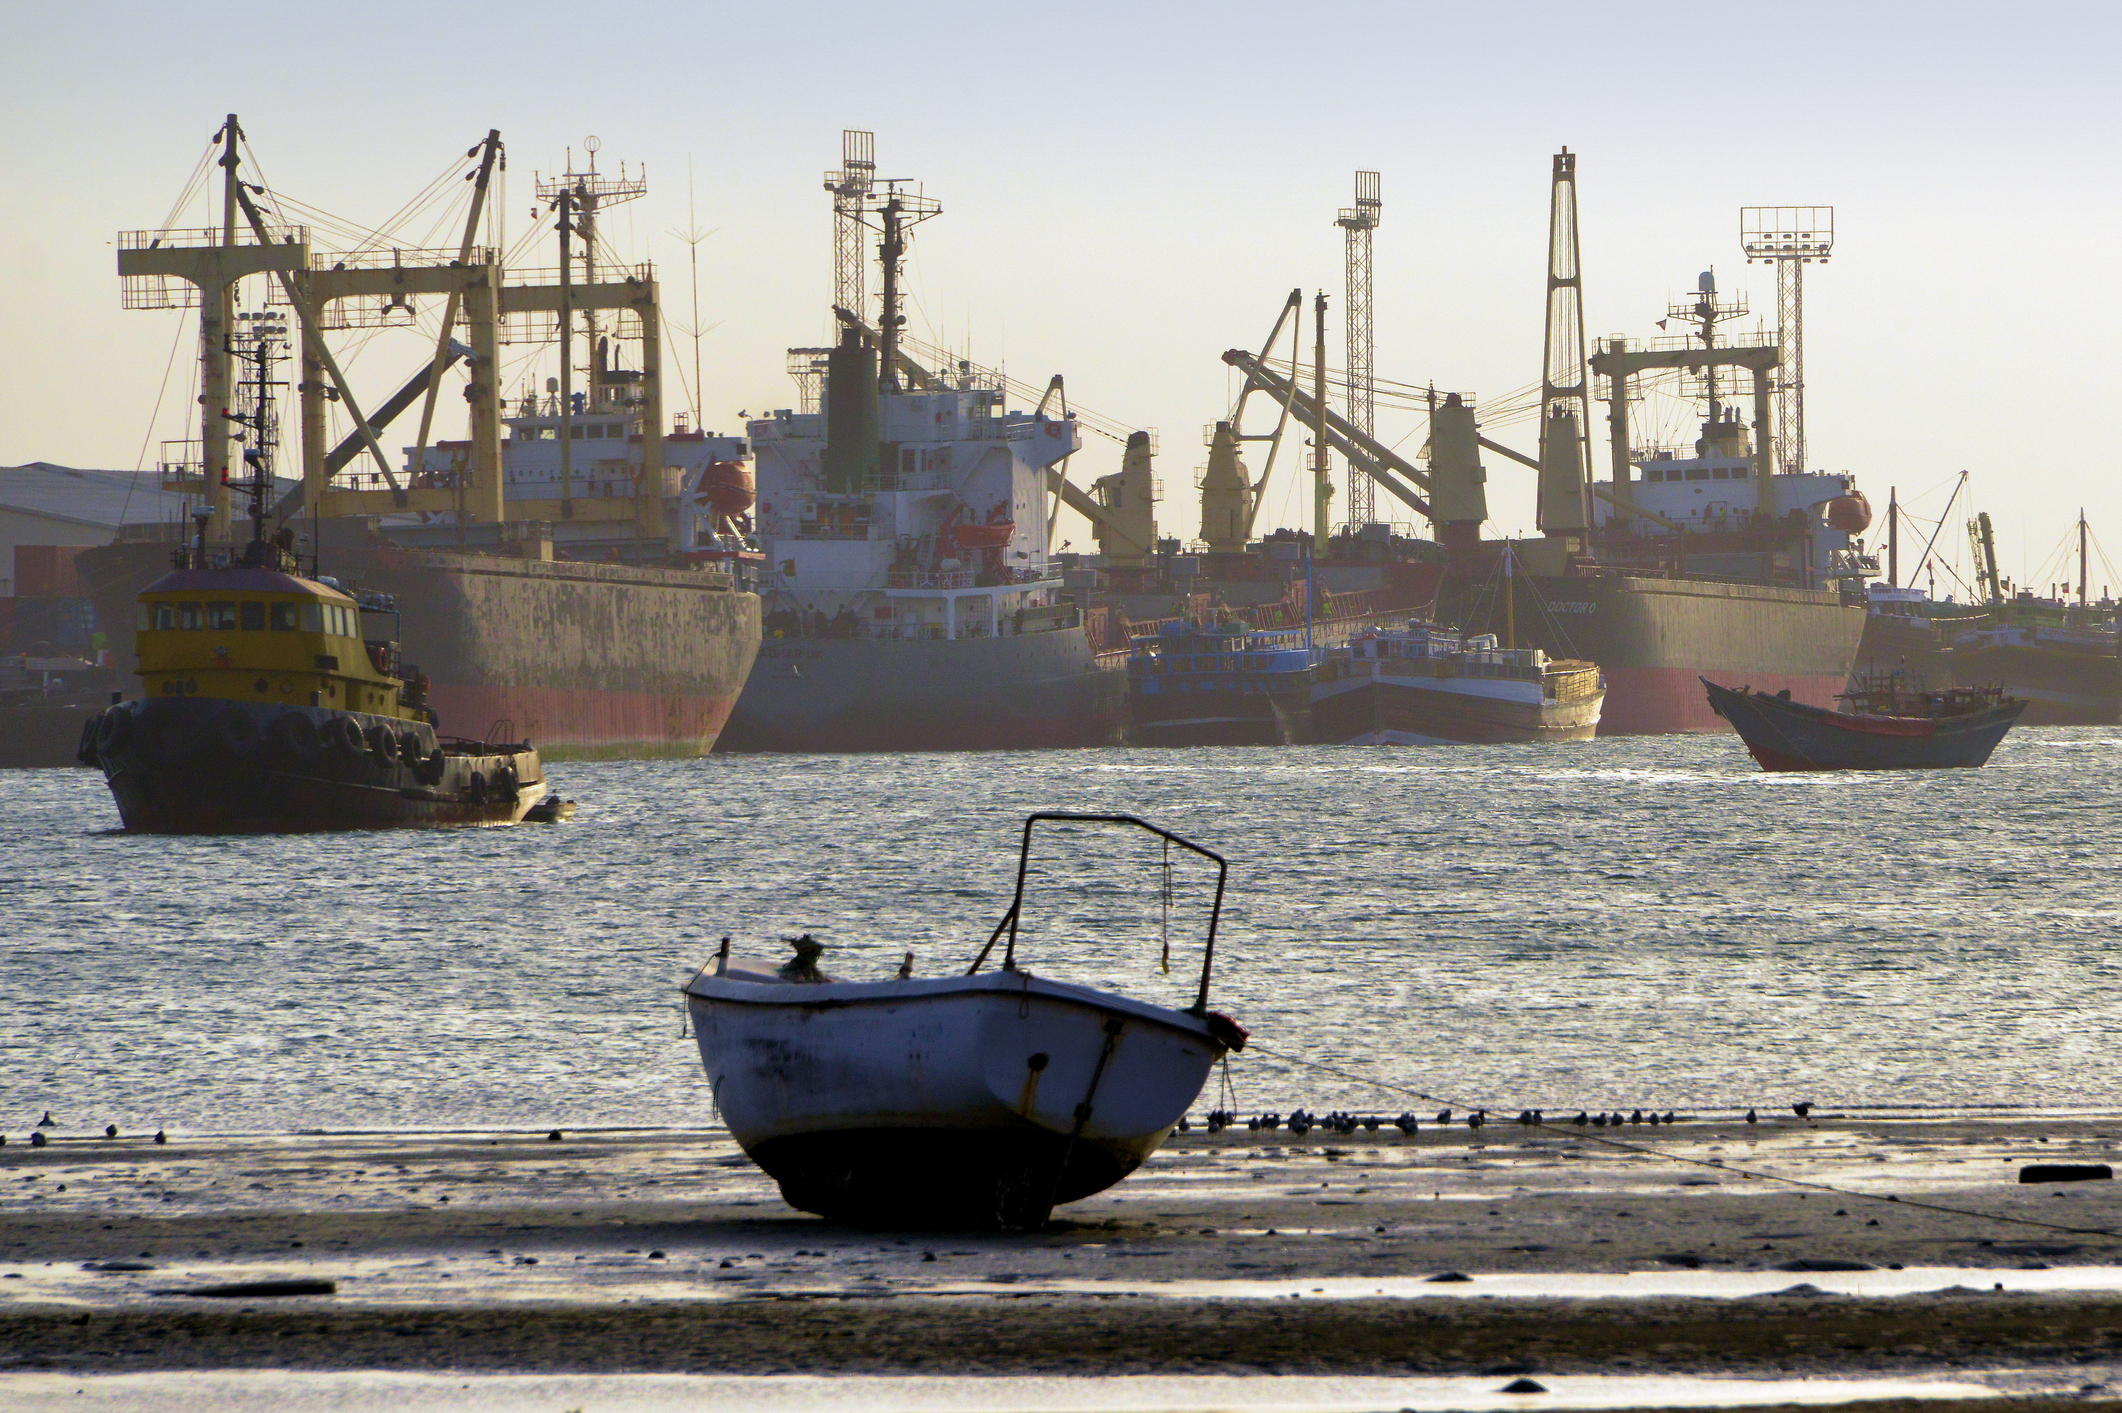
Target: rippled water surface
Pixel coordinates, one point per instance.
(1609, 924)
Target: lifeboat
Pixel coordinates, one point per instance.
(725, 487)
(1850, 513)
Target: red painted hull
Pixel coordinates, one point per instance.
(1655, 701)
(571, 722)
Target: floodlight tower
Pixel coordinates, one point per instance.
(1790, 238)
(1358, 222)
(850, 185)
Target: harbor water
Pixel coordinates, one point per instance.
(1620, 923)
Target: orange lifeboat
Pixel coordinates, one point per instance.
(1851, 513)
(726, 487)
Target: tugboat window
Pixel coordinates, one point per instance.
(165, 616)
(312, 618)
(187, 615)
(253, 616)
(283, 618)
(221, 615)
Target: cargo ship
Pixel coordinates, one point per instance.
(912, 602)
(1725, 557)
(572, 569)
(2060, 658)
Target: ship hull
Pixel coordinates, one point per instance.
(1278, 716)
(200, 765)
(42, 737)
(1387, 710)
(2059, 688)
(1015, 692)
(587, 660)
(1653, 638)
(1784, 735)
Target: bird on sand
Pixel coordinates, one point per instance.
(46, 1121)
(1581, 1119)
(110, 1130)
(1752, 1117)
(1803, 1110)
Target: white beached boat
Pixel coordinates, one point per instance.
(981, 1099)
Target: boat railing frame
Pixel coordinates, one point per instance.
(1024, 853)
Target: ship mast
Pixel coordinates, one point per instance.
(2081, 566)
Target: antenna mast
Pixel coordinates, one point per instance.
(850, 185)
(1565, 408)
(1790, 238)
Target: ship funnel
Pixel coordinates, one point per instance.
(1458, 496)
(850, 459)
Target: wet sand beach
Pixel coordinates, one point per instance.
(1240, 1252)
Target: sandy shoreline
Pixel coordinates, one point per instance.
(668, 1251)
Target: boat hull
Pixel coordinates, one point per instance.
(1652, 638)
(200, 765)
(588, 660)
(1279, 714)
(1383, 708)
(1791, 736)
(981, 1100)
(1014, 692)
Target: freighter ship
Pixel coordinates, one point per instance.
(912, 603)
(569, 572)
(1722, 559)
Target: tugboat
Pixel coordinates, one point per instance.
(269, 705)
(970, 1098)
(1225, 685)
(1892, 723)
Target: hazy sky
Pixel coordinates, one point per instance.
(1130, 189)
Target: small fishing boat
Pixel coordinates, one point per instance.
(1891, 723)
(979, 1099)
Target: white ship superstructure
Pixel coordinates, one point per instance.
(947, 539)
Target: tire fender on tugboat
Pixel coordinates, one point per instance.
(237, 731)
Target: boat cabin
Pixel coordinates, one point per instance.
(258, 635)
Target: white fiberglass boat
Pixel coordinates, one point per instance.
(974, 1100)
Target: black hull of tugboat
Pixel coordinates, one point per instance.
(1786, 735)
(198, 765)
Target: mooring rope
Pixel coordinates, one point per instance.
(1717, 1165)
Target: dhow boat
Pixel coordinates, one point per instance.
(978, 1099)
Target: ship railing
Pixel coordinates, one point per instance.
(818, 530)
(938, 579)
(911, 481)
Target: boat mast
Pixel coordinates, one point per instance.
(1322, 469)
(1510, 601)
(2081, 566)
(564, 203)
(217, 319)
(892, 251)
(1893, 536)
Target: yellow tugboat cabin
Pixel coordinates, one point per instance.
(257, 635)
